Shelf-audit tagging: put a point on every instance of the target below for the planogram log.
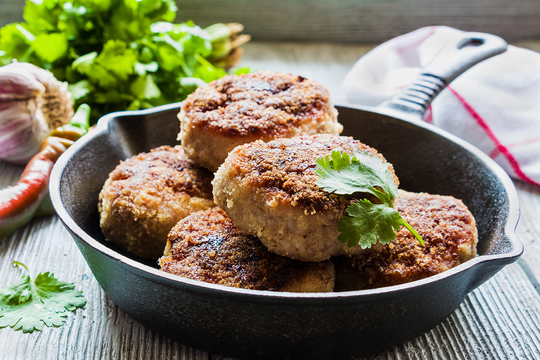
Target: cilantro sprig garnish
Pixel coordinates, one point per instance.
(28, 304)
(366, 223)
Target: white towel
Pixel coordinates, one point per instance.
(495, 105)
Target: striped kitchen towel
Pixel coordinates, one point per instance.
(495, 105)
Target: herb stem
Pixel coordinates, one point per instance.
(16, 263)
(410, 228)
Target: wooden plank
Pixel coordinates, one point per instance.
(364, 20)
(99, 331)
(350, 20)
(500, 318)
(528, 229)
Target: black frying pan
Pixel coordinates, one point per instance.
(262, 324)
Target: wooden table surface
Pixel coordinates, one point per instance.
(498, 320)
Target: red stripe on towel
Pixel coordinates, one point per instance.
(530, 141)
(428, 116)
(494, 153)
(511, 159)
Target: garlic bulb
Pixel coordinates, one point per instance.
(32, 104)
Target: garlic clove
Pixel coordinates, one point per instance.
(19, 81)
(22, 130)
(32, 104)
(18, 85)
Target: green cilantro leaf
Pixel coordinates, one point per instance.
(50, 47)
(145, 87)
(14, 42)
(363, 173)
(117, 58)
(42, 15)
(28, 304)
(80, 89)
(366, 223)
(115, 63)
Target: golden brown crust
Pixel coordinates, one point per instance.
(262, 104)
(235, 110)
(285, 169)
(207, 246)
(269, 190)
(447, 228)
(165, 166)
(146, 195)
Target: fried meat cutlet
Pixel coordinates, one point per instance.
(265, 105)
(447, 228)
(146, 195)
(269, 190)
(207, 246)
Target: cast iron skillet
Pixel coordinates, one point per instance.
(262, 324)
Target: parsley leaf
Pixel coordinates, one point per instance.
(28, 305)
(366, 223)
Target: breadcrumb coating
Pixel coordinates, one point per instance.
(146, 195)
(269, 190)
(447, 228)
(239, 109)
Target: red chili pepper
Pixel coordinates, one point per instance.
(20, 202)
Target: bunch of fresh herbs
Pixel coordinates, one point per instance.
(115, 54)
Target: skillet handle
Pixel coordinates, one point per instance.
(459, 55)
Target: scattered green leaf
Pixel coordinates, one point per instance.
(28, 304)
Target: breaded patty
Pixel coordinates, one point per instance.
(266, 105)
(146, 195)
(269, 190)
(449, 232)
(207, 246)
